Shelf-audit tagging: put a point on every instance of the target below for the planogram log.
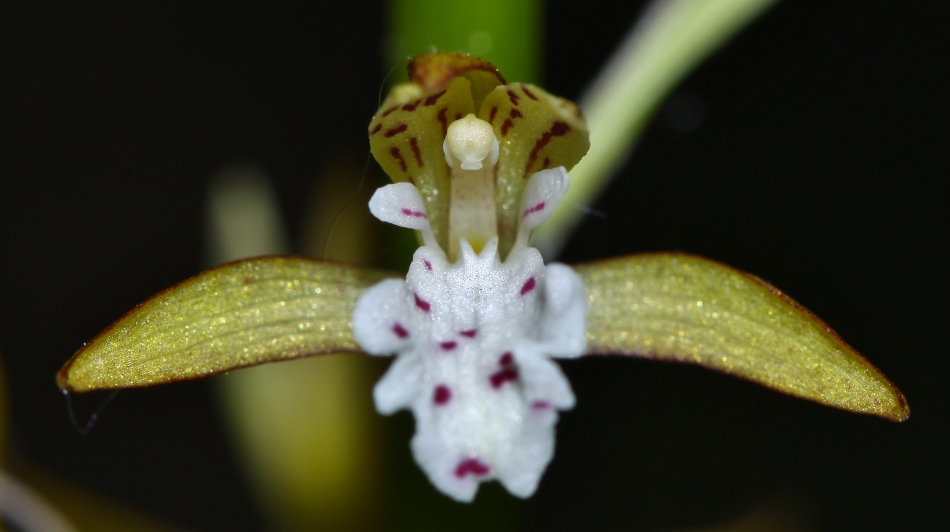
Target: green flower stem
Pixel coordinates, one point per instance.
(671, 38)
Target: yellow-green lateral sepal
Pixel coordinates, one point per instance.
(535, 131)
(690, 309)
(236, 315)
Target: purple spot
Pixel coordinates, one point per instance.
(422, 304)
(541, 405)
(469, 333)
(471, 466)
(414, 214)
(537, 208)
(503, 376)
(508, 372)
(428, 264)
(528, 285)
(442, 395)
(400, 331)
(448, 346)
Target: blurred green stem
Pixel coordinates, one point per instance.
(671, 37)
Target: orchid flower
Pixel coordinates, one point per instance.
(478, 163)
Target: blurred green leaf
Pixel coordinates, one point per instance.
(504, 32)
(306, 430)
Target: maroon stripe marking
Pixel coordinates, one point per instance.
(491, 115)
(394, 151)
(528, 93)
(513, 97)
(376, 129)
(558, 129)
(396, 130)
(411, 106)
(442, 120)
(430, 101)
(389, 111)
(414, 144)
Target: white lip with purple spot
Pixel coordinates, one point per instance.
(474, 340)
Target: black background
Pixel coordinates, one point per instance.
(814, 156)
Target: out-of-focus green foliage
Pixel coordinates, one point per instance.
(305, 430)
(506, 33)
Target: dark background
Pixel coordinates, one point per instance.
(811, 151)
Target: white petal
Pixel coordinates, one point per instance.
(564, 321)
(400, 386)
(378, 313)
(400, 204)
(544, 382)
(440, 462)
(521, 469)
(542, 193)
(475, 367)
